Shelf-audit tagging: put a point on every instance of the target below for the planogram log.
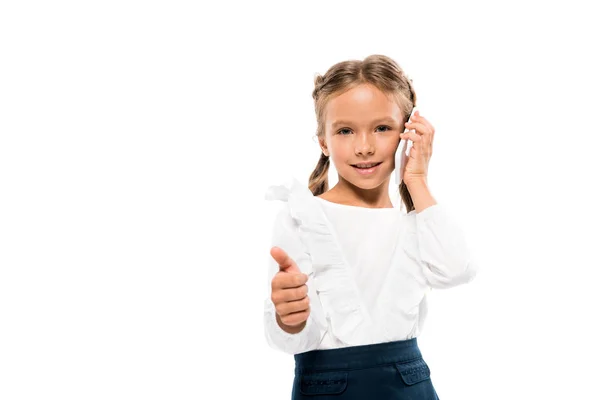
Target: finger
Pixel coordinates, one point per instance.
(290, 294)
(430, 130)
(291, 281)
(295, 293)
(284, 260)
(419, 118)
(415, 137)
(284, 280)
(295, 319)
(425, 134)
(419, 127)
(290, 307)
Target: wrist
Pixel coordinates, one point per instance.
(416, 182)
(420, 194)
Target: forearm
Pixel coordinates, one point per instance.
(420, 194)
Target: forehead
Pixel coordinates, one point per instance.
(361, 103)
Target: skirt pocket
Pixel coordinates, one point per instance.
(328, 382)
(413, 371)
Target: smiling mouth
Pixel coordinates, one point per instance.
(359, 167)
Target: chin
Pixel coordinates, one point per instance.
(369, 184)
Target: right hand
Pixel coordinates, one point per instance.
(289, 292)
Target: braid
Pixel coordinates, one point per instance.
(317, 183)
(319, 82)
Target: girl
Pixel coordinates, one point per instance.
(349, 272)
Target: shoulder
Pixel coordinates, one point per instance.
(283, 216)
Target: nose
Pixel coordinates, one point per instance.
(364, 144)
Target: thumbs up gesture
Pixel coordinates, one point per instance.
(289, 293)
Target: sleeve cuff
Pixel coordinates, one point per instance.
(292, 343)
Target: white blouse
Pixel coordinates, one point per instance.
(369, 269)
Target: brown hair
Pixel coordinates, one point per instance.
(377, 70)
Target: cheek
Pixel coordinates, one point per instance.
(341, 151)
(387, 148)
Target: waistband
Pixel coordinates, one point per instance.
(357, 357)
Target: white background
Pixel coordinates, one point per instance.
(138, 140)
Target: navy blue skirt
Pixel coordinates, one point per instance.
(382, 371)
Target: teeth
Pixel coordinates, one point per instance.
(366, 166)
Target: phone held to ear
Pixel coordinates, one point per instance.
(402, 153)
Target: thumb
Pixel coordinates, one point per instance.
(286, 264)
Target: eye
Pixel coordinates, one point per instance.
(387, 128)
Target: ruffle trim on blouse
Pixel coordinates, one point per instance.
(403, 307)
(342, 308)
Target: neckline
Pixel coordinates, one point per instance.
(349, 207)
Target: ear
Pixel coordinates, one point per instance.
(324, 147)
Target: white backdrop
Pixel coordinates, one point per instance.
(138, 140)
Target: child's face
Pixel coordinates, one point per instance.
(368, 132)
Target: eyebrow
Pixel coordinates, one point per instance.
(389, 120)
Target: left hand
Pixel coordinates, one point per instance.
(420, 153)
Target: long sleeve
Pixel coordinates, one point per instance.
(443, 249)
(285, 236)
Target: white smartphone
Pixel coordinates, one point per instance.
(402, 153)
